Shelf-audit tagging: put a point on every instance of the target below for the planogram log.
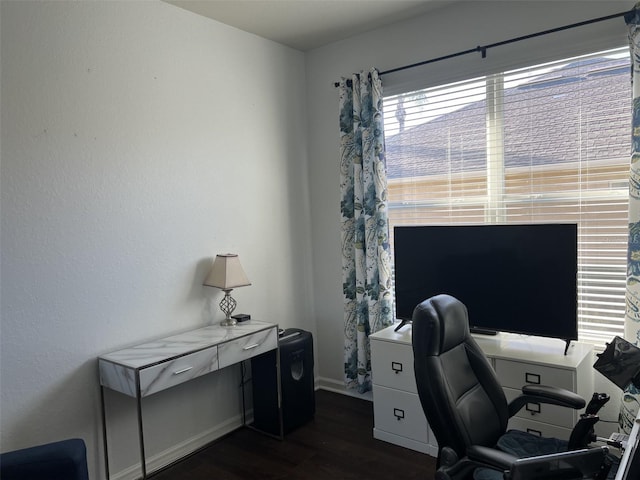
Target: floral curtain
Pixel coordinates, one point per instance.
(631, 396)
(366, 262)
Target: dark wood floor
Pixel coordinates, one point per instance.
(337, 444)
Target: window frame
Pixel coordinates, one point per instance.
(494, 199)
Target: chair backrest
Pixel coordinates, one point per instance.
(65, 459)
(458, 389)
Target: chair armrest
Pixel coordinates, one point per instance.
(585, 463)
(477, 457)
(546, 394)
(491, 457)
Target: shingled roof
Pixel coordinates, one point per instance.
(568, 116)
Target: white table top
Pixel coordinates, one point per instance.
(510, 346)
(154, 351)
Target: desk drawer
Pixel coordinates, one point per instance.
(544, 412)
(400, 413)
(174, 372)
(392, 365)
(246, 347)
(539, 428)
(517, 374)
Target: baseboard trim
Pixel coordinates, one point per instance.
(338, 386)
(421, 447)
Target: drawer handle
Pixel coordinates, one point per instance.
(178, 372)
(396, 367)
(532, 378)
(249, 347)
(399, 414)
(533, 408)
(534, 432)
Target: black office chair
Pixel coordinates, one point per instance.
(467, 410)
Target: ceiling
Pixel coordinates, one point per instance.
(308, 24)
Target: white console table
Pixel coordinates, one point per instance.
(150, 367)
(517, 360)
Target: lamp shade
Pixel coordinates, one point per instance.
(227, 273)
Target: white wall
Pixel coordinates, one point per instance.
(459, 27)
(139, 140)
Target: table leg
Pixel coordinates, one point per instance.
(104, 432)
(143, 459)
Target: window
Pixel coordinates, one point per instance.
(549, 143)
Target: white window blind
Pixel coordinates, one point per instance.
(549, 143)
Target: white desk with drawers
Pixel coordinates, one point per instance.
(150, 367)
(517, 360)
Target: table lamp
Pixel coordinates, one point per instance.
(227, 274)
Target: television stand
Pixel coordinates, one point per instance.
(483, 331)
(401, 324)
(568, 342)
(489, 332)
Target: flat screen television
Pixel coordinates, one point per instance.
(512, 278)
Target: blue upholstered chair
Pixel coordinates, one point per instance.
(64, 460)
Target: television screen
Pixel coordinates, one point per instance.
(512, 278)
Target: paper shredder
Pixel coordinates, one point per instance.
(297, 383)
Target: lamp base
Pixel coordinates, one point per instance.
(227, 305)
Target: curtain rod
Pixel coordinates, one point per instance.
(483, 48)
